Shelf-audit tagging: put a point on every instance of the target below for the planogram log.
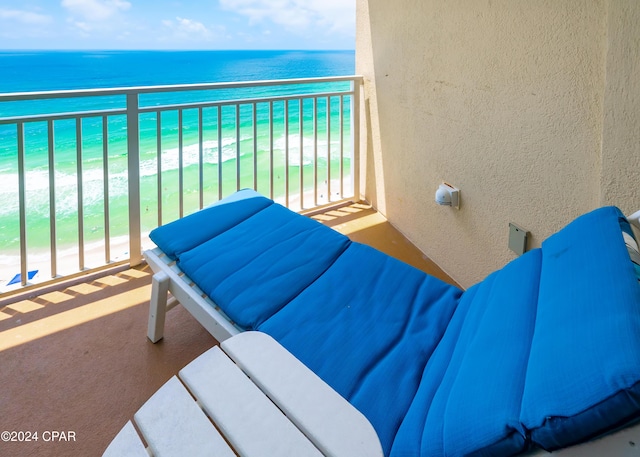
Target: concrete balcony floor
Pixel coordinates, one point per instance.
(77, 360)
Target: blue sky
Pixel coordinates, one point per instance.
(170, 24)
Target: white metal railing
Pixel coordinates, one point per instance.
(168, 149)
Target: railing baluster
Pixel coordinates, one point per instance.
(219, 152)
(300, 132)
(159, 163)
(286, 153)
(255, 146)
(328, 149)
(201, 157)
(22, 201)
(105, 180)
(237, 147)
(315, 151)
(80, 194)
(52, 198)
(341, 126)
(180, 166)
(271, 149)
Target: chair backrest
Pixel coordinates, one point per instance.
(544, 351)
(583, 369)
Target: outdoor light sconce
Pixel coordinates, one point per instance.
(447, 195)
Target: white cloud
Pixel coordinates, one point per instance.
(188, 29)
(25, 17)
(95, 10)
(298, 15)
(192, 27)
(83, 26)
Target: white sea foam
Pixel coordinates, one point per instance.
(66, 183)
(309, 151)
(66, 191)
(190, 156)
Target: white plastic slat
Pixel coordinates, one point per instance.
(174, 425)
(127, 442)
(334, 425)
(248, 419)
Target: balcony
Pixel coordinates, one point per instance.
(515, 105)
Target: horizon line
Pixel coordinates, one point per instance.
(170, 50)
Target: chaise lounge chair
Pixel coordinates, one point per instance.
(541, 355)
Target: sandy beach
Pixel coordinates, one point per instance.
(67, 261)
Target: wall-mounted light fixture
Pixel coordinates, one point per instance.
(448, 195)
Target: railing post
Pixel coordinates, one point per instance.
(52, 199)
(22, 206)
(79, 181)
(356, 86)
(133, 163)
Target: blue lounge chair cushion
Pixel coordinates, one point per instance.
(367, 326)
(470, 394)
(583, 377)
(265, 261)
(184, 234)
(543, 352)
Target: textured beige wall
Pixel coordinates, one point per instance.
(621, 131)
(530, 108)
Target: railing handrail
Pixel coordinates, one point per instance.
(73, 93)
(170, 107)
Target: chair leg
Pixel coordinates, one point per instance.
(158, 306)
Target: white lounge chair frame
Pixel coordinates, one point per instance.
(169, 278)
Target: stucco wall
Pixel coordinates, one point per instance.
(621, 132)
(530, 108)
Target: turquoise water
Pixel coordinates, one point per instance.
(36, 71)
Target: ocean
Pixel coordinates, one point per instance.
(27, 71)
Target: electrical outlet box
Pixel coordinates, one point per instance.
(517, 238)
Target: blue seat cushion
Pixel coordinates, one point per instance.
(254, 268)
(469, 398)
(543, 352)
(367, 327)
(188, 232)
(583, 378)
